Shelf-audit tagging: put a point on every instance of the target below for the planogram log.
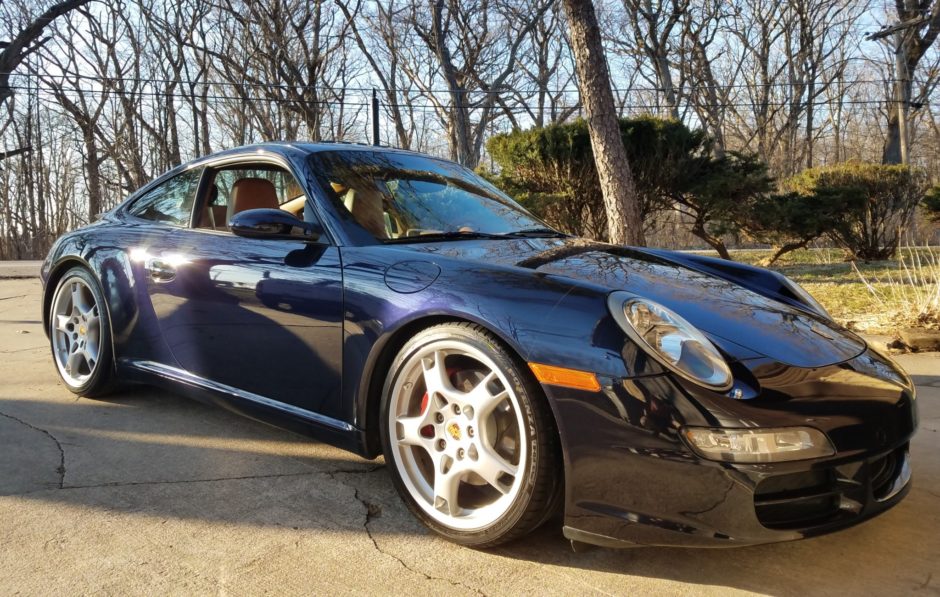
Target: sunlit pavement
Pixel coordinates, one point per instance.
(149, 493)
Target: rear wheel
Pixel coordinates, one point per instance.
(471, 444)
(80, 334)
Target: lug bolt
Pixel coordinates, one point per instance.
(456, 409)
(460, 454)
(439, 418)
(470, 431)
(441, 444)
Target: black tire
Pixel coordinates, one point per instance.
(541, 486)
(101, 381)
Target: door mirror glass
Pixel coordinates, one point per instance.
(273, 224)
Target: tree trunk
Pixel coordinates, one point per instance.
(92, 173)
(914, 43)
(624, 221)
(698, 229)
(781, 251)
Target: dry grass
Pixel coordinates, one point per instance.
(910, 295)
(876, 297)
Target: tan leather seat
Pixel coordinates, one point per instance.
(213, 216)
(365, 205)
(253, 193)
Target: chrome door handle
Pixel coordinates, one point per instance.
(160, 270)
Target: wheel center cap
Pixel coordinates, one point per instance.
(453, 429)
(81, 330)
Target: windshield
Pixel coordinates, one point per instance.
(398, 197)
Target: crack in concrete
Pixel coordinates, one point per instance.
(22, 350)
(7, 298)
(375, 511)
(61, 468)
(185, 481)
(933, 493)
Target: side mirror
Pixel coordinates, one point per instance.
(273, 224)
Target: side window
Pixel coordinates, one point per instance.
(170, 202)
(249, 187)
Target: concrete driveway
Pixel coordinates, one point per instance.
(149, 493)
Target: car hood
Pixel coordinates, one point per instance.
(743, 323)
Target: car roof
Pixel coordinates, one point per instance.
(306, 147)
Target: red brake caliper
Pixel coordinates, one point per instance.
(428, 430)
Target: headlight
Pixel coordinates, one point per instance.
(671, 340)
(759, 445)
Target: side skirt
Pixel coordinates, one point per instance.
(286, 416)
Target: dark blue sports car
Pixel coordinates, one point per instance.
(393, 303)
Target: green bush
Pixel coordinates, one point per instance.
(551, 171)
(869, 205)
(787, 221)
(932, 204)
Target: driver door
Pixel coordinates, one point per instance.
(260, 316)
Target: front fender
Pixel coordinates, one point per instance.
(543, 318)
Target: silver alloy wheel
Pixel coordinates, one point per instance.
(76, 331)
(457, 431)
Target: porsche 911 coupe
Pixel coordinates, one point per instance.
(396, 304)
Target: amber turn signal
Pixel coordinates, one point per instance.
(569, 378)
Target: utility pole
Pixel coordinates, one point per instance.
(899, 32)
(375, 118)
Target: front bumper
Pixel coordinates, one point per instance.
(630, 479)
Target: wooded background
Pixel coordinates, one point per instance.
(109, 95)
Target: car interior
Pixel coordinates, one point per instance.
(367, 207)
(387, 207)
(238, 189)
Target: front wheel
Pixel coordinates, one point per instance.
(468, 435)
(80, 334)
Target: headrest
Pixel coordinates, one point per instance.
(253, 193)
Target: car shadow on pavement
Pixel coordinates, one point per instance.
(149, 453)
(926, 380)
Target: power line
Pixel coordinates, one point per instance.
(357, 89)
(412, 106)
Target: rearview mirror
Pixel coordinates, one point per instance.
(273, 224)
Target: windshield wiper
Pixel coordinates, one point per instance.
(535, 233)
(450, 235)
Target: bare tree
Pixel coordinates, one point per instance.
(915, 41)
(82, 100)
(281, 52)
(379, 39)
(547, 71)
(656, 26)
(109, 94)
(28, 40)
(470, 47)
